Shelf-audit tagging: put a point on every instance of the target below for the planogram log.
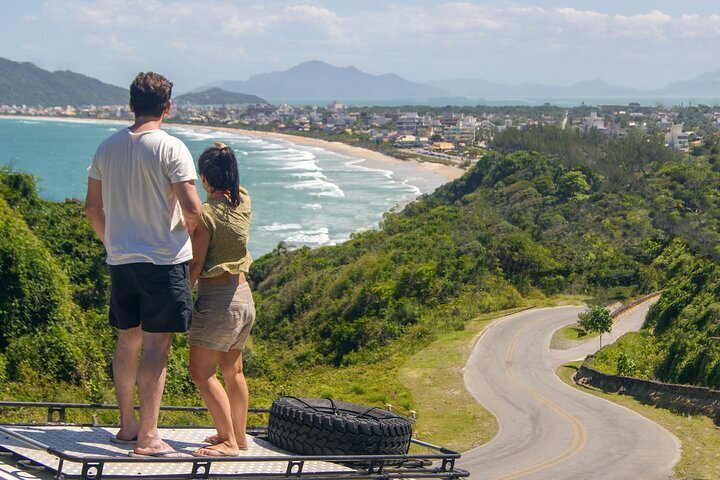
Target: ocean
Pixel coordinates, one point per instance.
(301, 195)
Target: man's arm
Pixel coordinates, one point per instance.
(94, 207)
(189, 203)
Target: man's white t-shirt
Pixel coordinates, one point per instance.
(143, 218)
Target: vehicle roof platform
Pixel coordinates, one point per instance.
(92, 448)
(72, 451)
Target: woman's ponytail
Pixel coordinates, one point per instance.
(219, 167)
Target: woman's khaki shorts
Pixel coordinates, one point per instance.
(222, 317)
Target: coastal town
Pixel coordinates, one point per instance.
(455, 135)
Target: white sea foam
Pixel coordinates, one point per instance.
(326, 189)
(278, 227)
(193, 135)
(330, 193)
(312, 206)
(412, 188)
(302, 165)
(265, 147)
(355, 165)
(314, 174)
(319, 236)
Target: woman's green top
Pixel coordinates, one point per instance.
(228, 227)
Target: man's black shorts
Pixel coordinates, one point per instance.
(156, 297)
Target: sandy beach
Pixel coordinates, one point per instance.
(447, 171)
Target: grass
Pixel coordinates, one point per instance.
(700, 455)
(569, 336)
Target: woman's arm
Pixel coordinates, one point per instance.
(200, 243)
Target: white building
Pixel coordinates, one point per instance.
(410, 122)
(593, 121)
(677, 139)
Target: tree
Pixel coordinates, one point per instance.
(573, 184)
(597, 319)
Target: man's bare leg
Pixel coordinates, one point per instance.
(124, 376)
(151, 383)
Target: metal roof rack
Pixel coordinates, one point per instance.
(83, 451)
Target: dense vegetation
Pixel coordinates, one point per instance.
(588, 215)
(22, 83)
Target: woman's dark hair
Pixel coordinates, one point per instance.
(219, 167)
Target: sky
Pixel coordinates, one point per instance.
(638, 43)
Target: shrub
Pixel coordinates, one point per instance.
(63, 351)
(35, 290)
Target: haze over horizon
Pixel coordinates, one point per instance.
(644, 44)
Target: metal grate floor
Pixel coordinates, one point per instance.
(89, 442)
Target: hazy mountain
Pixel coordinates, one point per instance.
(707, 84)
(317, 80)
(478, 88)
(218, 96)
(24, 83)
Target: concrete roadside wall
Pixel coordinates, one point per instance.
(634, 303)
(679, 398)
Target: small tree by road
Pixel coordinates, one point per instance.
(596, 319)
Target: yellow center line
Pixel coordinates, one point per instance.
(579, 431)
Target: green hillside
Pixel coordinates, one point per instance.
(588, 215)
(218, 96)
(26, 84)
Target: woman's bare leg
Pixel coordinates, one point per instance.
(231, 366)
(203, 367)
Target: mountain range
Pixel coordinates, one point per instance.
(316, 82)
(319, 81)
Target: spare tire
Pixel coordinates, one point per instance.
(316, 426)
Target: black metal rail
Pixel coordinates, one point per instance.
(375, 467)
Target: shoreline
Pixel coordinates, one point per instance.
(448, 172)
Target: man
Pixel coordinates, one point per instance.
(142, 203)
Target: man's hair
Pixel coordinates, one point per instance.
(150, 93)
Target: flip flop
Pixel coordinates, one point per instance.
(214, 440)
(120, 441)
(160, 454)
(216, 453)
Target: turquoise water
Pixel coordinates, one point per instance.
(301, 195)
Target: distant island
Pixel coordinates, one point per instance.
(218, 96)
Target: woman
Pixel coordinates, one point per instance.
(224, 311)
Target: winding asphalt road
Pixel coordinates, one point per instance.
(549, 430)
